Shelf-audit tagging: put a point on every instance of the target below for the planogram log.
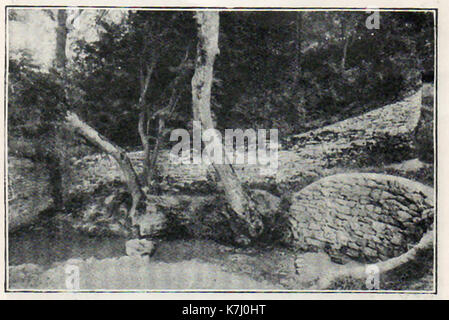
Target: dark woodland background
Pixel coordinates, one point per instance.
(285, 70)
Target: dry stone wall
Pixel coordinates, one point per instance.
(381, 134)
(387, 130)
(385, 133)
(360, 216)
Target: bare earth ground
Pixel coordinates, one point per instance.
(37, 260)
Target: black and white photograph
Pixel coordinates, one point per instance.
(253, 150)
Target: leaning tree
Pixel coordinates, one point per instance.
(150, 33)
(244, 214)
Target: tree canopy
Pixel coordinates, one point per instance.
(278, 69)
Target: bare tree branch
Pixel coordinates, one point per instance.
(50, 13)
(116, 152)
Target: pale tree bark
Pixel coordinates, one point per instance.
(164, 114)
(89, 133)
(347, 34)
(143, 124)
(153, 42)
(61, 39)
(145, 116)
(116, 152)
(359, 271)
(48, 150)
(245, 218)
(152, 171)
(345, 53)
(146, 71)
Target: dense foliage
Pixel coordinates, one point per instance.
(288, 70)
(263, 88)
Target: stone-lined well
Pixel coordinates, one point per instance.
(360, 216)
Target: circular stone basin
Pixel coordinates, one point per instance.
(360, 216)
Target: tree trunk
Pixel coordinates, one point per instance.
(345, 51)
(144, 138)
(116, 152)
(298, 26)
(152, 161)
(61, 39)
(73, 121)
(248, 222)
(48, 151)
(143, 125)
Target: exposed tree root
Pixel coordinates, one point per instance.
(360, 272)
